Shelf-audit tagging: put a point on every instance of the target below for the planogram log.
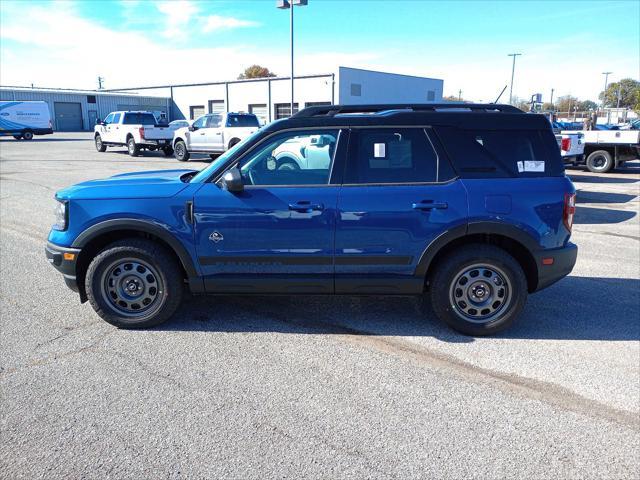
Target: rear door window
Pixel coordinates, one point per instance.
(391, 155)
(498, 153)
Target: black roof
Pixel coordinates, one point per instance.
(462, 115)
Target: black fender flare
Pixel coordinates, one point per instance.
(142, 226)
(482, 227)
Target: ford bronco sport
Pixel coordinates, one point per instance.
(467, 205)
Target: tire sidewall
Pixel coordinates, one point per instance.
(447, 274)
(99, 145)
(27, 135)
(180, 151)
(608, 165)
(131, 147)
(93, 287)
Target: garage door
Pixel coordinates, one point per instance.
(68, 116)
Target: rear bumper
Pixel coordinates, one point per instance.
(155, 143)
(64, 260)
(564, 259)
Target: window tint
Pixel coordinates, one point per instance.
(293, 158)
(200, 123)
(391, 155)
(109, 119)
(242, 121)
(213, 121)
(116, 118)
(497, 153)
(139, 119)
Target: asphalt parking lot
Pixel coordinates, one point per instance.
(354, 387)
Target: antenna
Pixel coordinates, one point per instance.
(100, 82)
(496, 100)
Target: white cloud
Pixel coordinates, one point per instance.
(177, 13)
(216, 22)
(53, 47)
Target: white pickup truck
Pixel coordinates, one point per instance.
(135, 130)
(571, 147)
(605, 150)
(214, 134)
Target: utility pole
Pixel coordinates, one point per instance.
(551, 99)
(619, 94)
(284, 4)
(513, 70)
(604, 93)
(460, 95)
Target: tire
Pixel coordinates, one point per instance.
(18, 137)
(471, 301)
(600, 161)
(234, 141)
(28, 135)
(132, 148)
(180, 151)
(213, 156)
(101, 147)
(168, 151)
(150, 266)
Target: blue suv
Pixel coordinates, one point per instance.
(467, 204)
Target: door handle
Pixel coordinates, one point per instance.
(429, 205)
(305, 206)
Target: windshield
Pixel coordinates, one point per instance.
(224, 158)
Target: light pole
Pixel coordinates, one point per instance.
(604, 94)
(284, 4)
(551, 102)
(513, 70)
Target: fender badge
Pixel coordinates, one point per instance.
(216, 237)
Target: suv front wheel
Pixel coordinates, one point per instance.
(180, 151)
(478, 290)
(134, 283)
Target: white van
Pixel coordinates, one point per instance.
(23, 120)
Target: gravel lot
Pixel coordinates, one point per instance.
(255, 387)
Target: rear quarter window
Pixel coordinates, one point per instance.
(478, 153)
(139, 119)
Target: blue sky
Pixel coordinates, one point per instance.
(566, 45)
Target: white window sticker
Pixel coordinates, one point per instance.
(534, 166)
(379, 150)
(520, 167)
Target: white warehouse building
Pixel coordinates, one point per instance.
(270, 98)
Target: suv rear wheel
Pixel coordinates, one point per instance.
(134, 283)
(180, 151)
(101, 147)
(478, 290)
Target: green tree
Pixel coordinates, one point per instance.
(453, 98)
(586, 105)
(566, 102)
(629, 90)
(256, 71)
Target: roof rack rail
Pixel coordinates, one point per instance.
(332, 110)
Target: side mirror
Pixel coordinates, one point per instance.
(192, 128)
(232, 180)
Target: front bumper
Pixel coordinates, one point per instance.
(564, 259)
(64, 260)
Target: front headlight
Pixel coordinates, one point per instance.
(61, 213)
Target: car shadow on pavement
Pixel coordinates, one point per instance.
(588, 196)
(590, 215)
(576, 308)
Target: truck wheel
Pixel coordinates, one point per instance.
(134, 283)
(101, 147)
(180, 151)
(168, 151)
(28, 135)
(600, 161)
(478, 290)
(133, 149)
(233, 142)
